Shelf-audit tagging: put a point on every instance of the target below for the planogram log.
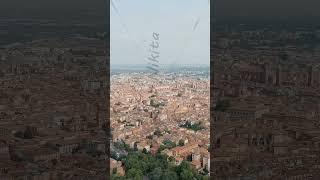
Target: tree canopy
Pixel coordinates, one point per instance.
(138, 164)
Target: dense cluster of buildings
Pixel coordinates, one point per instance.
(52, 116)
(147, 113)
(266, 111)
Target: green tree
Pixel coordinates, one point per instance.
(154, 103)
(117, 177)
(138, 164)
(169, 144)
(135, 146)
(205, 178)
(171, 159)
(144, 151)
(161, 148)
(184, 166)
(186, 175)
(156, 174)
(169, 175)
(134, 174)
(131, 161)
(157, 132)
(181, 142)
(114, 171)
(192, 126)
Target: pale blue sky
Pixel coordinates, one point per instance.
(174, 20)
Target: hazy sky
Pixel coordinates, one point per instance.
(183, 26)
